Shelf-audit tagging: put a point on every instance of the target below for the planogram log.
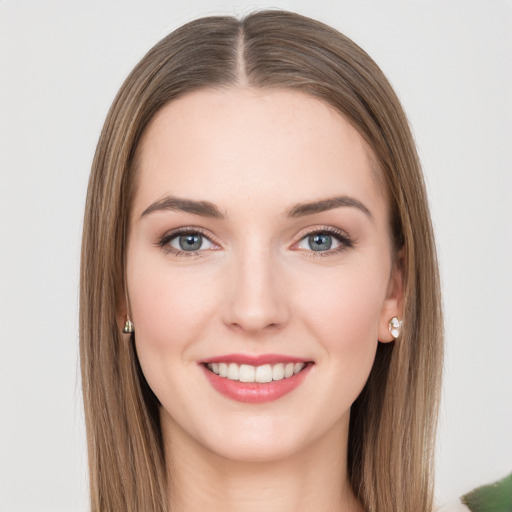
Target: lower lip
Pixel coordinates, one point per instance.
(255, 392)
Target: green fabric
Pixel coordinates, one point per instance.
(495, 497)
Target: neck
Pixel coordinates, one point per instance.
(310, 481)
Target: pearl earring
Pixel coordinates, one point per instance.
(128, 326)
(395, 327)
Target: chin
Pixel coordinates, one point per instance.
(255, 451)
(267, 439)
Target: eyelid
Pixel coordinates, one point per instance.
(163, 241)
(341, 236)
(322, 229)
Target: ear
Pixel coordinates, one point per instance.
(393, 303)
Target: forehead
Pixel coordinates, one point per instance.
(255, 147)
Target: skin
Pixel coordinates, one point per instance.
(257, 287)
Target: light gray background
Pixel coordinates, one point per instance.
(61, 63)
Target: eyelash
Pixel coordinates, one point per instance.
(163, 243)
(342, 237)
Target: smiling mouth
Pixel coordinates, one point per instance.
(256, 379)
(261, 374)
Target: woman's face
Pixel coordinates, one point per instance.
(259, 241)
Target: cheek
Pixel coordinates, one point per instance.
(344, 316)
(168, 307)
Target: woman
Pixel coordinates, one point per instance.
(260, 312)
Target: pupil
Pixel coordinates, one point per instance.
(190, 242)
(320, 242)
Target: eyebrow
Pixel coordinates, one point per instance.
(208, 209)
(302, 209)
(172, 203)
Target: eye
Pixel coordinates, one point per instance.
(185, 242)
(190, 242)
(325, 241)
(318, 242)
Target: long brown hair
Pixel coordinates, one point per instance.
(393, 421)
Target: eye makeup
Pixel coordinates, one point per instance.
(323, 237)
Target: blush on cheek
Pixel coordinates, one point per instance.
(351, 314)
(168, 309)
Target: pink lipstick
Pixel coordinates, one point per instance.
(255, 379)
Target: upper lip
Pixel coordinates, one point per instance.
(255, 360)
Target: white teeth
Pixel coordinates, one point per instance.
(233, 372)
(298, 368)
(264, 373)
(278, 371)
(223, 370)
(249, 373)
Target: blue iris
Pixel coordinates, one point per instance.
(320, 242)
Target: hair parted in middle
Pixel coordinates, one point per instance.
(392, 425)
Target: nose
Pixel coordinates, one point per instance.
(255, 296)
